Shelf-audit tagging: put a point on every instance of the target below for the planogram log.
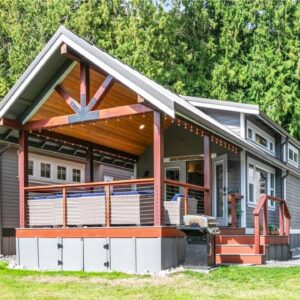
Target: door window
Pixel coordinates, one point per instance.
(219, 189)
(172, 174)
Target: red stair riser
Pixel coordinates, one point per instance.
(239, 259)
(232, 231)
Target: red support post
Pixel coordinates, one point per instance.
(256, 234)
(107, 206)
(207, 175)
(23, 175)
(265, 218)
(64, 204)
(281, 218)
(287, 226)
(158, 155)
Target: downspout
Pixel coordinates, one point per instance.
(2, 151)
(282, 145)
(282, 182)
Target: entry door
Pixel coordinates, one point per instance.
(219, 195)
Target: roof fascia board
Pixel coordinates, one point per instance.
(47, 91)
(225, 107)
(231, 136)
(23, 82)
(89, 56)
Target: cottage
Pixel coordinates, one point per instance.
(189, 156)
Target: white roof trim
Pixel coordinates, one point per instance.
(223, 105)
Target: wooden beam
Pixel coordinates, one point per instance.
(101, 92)
(69, 100)
(9, 123)
(207, 175)
(84, 84)
(23, 176)
(158, 155)
(104, 114)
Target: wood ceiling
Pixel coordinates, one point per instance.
(122, 134)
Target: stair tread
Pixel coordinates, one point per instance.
(243, 254)
(235, 245)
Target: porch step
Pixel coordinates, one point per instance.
(236, 249)
(232, 231)
(253, 259)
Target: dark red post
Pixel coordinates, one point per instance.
(89, 165)
(207, 175)
(158, 155)
(281, 218)
(265, 218)
(23, 175)
(256, 234)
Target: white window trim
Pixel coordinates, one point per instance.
(265, 135)
(54, 163)
(295, 150)
(269, 170)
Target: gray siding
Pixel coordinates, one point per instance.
(9, 190)
(227, 118)
(116, 172)
(293, 199)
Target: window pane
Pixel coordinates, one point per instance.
(291, 154)
(271, 146)
(251, 192)
(45, 170)
(61, 173)
(76, 175)
(261, 140)
(249, 133)
(272, 183)
(295, 157)
(30, 167)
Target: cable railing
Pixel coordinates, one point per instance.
(123, 202)
(115, 203)
(284, 218)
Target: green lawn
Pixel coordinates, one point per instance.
(225, 283)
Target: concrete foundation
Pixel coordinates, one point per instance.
(134, 255)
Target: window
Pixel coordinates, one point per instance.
(30, 167)
(293, 156)
(260, 138)
(76, 175)
(250, 136)
(61, 173)
(45, 170)
(261, 180)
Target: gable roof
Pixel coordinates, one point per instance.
(50, 67)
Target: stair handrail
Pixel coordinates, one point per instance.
(233, 199)
(284, 213)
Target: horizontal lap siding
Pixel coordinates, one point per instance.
(115, 172)
(293, 200)
(10, 190)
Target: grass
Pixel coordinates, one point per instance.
(224, 283)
